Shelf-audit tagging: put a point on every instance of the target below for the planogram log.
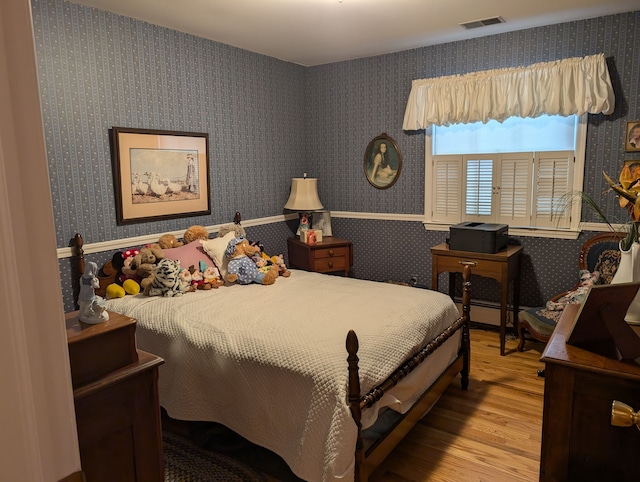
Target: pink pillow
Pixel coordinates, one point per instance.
(189, 255)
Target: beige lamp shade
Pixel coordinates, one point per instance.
(304, 195)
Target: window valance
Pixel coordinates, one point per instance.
(562, 87)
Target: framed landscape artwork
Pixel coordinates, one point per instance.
(160, 174)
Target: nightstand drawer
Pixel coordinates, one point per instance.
(329, 264)
(342, 251)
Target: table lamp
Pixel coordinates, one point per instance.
(304, 199)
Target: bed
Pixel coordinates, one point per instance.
(269, 362)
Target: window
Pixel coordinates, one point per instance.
(517, 172)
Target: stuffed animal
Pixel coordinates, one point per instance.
(282, 267)
(241, 268)
(167, 280)
(187, 279)
(195, 232)
(235, 228)
(144, 263)
(211, 279)
(168, 241)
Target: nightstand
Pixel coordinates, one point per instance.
(116, 400)
(330, 255)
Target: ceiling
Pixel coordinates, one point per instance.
(314, 32)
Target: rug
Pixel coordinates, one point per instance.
(185, 462)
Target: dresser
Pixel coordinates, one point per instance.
(578, 440)
(116, 401)
(330, 255)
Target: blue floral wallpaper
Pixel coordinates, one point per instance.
(269, 121)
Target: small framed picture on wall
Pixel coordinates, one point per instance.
(632, 139)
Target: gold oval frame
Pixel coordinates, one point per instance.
(394, 160)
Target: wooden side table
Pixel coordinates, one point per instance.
(115, 391)
(578, 440)
(503, 266)
(330, 255)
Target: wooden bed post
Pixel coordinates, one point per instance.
(360, 474)
(466, 339)
(77, 266)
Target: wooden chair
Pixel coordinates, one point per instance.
(599, 253)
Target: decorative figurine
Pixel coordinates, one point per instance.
(92, 306)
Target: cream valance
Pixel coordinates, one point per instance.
(562, 87)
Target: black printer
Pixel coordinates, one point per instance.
(479, 237)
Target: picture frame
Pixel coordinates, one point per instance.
(321, 220)
(159, 174)
(382, 162)
(632, 137)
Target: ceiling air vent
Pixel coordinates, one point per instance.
(482, 23)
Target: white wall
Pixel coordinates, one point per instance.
(38, 440)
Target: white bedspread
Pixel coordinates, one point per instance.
(270, 361)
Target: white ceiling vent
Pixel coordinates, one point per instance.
(482, 23)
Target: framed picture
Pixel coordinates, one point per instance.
(632, 139)
(382, 162)
(159, 174)
(322, 221)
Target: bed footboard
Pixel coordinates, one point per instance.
(367, 459)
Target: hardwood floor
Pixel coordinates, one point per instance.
(491, 432)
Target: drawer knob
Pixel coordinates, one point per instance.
(622, 415)
(331, 252)
(330, 264)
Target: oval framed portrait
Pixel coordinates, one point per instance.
(382, 162)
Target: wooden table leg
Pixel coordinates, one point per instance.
(504, 290)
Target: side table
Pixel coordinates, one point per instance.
(115, 391)
(330, 255)
(503, 266)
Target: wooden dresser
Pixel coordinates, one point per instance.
(578, 440)
(116, 400)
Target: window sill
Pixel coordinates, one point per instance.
(533, 232)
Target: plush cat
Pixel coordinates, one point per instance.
(167, 280)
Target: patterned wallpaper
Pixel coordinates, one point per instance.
(98, 70)
(270, 120)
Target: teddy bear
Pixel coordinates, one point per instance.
(195, 232)
(144, 262)
(168, 241)
(241, 267)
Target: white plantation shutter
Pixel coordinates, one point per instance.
(552, 181)
(515, 189)
(447, 189)
(478, 200)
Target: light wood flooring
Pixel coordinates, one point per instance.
(491, 432)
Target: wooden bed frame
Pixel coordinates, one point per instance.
(370, 453)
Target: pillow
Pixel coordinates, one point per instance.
(189, 255)
(215, 248)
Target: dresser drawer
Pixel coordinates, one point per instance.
(322, 253)
(329, 264)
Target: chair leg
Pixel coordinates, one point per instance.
(520, 337)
